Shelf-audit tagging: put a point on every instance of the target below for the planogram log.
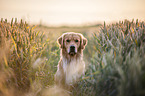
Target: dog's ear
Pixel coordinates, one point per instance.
(60, 41)
(83, 42)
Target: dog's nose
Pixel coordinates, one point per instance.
(72, 50)
(72, 47)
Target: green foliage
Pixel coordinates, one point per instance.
(117, 66)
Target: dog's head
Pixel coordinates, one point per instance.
(72, 42)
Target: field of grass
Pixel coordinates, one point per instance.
(115, 59)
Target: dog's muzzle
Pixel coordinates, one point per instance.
(72, 50)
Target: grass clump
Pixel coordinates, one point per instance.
(28, 55)
(117, 66)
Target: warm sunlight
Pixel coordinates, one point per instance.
(72, 47)
(57, 12)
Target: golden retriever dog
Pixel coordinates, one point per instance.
(71, 65)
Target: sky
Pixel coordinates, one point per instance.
(72, 12)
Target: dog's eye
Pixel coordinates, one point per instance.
(67, 40)
(76, 40)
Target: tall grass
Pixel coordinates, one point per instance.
(117, 66)
(115, 57)
(30, 55)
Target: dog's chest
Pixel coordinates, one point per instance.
(73, 70)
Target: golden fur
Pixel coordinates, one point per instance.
(71, 65)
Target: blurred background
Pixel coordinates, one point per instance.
(72, 12)
(114, 55)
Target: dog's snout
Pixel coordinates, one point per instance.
(72, 47)
(72, 50)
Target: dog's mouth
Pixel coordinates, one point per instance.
(72, 53)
